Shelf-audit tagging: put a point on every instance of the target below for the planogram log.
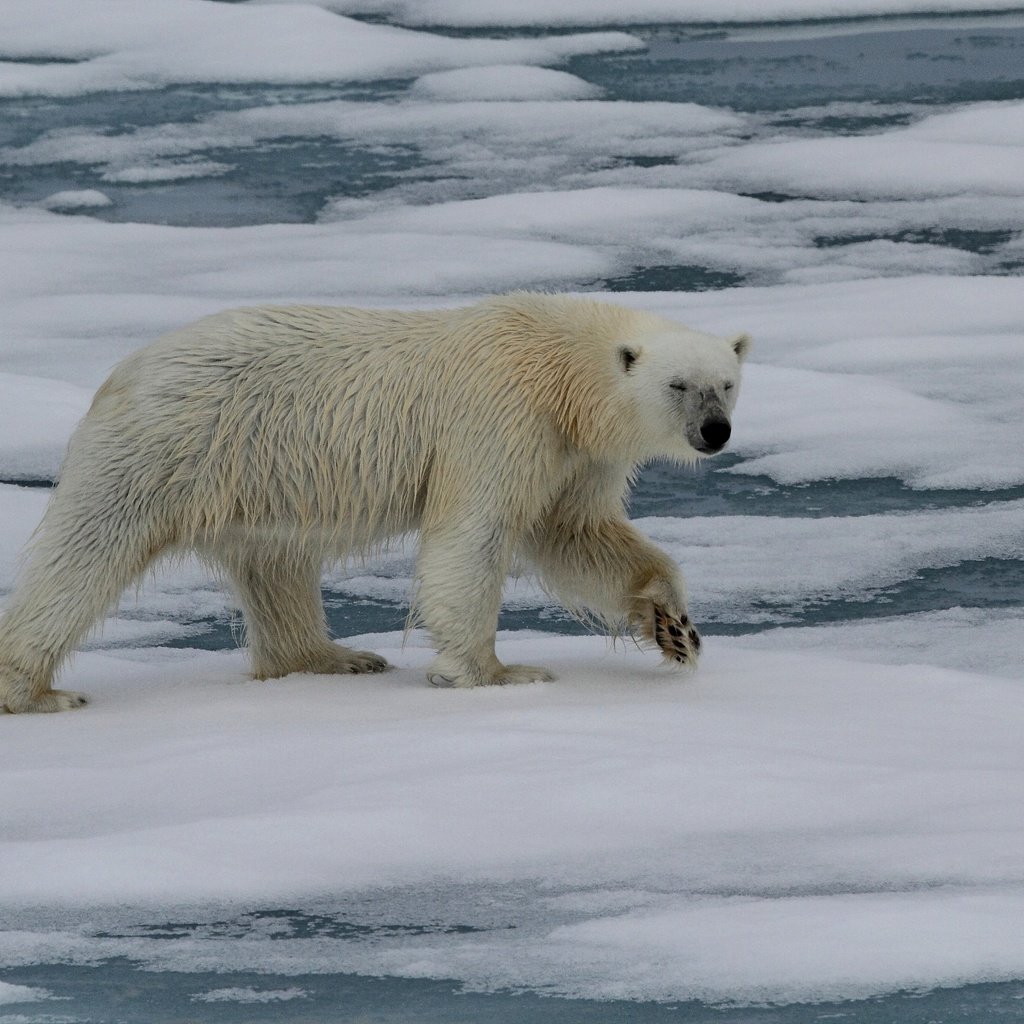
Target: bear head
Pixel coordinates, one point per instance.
(682, 386)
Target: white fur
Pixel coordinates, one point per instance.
(272, 439)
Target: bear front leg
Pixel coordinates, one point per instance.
(460, 573)
(609, 568)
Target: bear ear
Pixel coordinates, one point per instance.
(741, 345)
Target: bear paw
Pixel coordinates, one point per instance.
(665, 624)
(676, 636)
(331, 659)
(520, 674)
(445, 673)
(45, 703)
(345, 661)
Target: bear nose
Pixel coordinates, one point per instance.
(715, 433)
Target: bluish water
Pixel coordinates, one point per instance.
(775, 71)
(788, 80)
(118, 991)
(152, 987)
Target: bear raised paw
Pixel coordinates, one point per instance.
(272, 440)
(659, 618)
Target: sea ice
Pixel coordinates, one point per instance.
(76, 199)
(904, 163)
(64, 47)
(250, 995)
(167, 171)
(625, 831)
(987, 640)
(622, 12)
(36, 419)
(21, 994)
(502, 82)
(791, 801)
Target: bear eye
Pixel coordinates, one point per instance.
(627, 357)
(678, 385)
(727, 387)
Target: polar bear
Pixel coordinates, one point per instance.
(272, 439)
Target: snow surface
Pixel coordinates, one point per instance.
(36, 419)
(64, 47)
(21, 994)
(976, 639)
(884, 806)
(250, 995)
(719, 835)
(76, 199)
(502, 82)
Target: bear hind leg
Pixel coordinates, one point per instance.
(81, 562)
(284, 616)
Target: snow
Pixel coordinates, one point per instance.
(624, 832)
(502, 82)
(36, 419)
(982, 640)
(72, 199)
(883, 804)
(250, 995)
(21, 994)
(898, 163)
(64, 47)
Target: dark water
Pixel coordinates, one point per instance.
(710, 489)
(284, 180)
(767, 72)
(117, 991)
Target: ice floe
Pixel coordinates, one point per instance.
(64, 47)
(882, 804)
